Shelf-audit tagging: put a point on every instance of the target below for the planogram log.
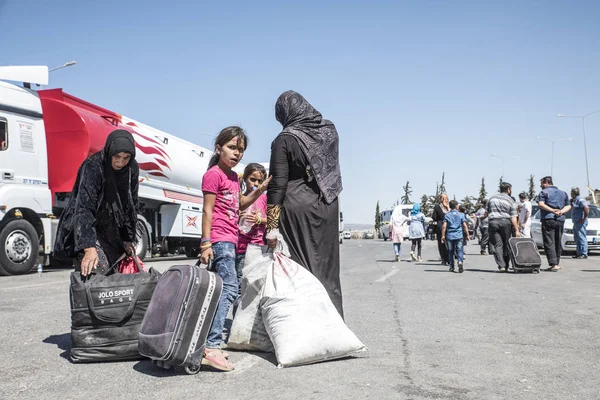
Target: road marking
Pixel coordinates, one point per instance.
(28, 286)
(388, 275)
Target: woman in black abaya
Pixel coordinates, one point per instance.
(302, 197)
(99, 223)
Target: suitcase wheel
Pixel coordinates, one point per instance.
(192, 369)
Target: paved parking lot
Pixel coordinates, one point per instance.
(431, 335)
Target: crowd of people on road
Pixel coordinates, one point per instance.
(495, 221)
(301, 201)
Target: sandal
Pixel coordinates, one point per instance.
(553, 268)
(214, 358)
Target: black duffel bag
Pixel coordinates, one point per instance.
(106, 313)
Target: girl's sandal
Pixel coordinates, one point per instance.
(214, 358)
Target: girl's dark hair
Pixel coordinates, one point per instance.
(252, 168)
(249, 170)
(225, 136)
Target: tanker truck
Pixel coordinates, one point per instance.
(45, 135)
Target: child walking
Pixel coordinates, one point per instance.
(455, 225)
(254, 175)
(222, 204)
(416, 231)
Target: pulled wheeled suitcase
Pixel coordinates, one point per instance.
(524, 255)
(174, 330)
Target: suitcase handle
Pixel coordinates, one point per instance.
(111, 320)
(209, 267)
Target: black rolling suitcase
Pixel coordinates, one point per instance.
(524, 255)
(174, 330)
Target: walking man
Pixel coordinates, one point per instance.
(579, 215)
(483, 228)
(525, 217)
(554, 204)
(502, 214)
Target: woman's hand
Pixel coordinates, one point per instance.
(130, 248)
(206, 255)
(90, 261)
(272, 243)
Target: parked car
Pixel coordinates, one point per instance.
(347, 235)
(568, 240)
(369, 235)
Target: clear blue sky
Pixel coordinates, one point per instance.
(415, 88)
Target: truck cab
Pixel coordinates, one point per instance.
(25, 197)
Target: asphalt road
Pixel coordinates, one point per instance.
(430, 334)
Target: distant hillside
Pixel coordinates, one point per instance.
(357, 227)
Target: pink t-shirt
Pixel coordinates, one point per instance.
(227, 205)
(256, 234)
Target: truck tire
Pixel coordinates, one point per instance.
(19, 248)
(141, 247)
(191, 252)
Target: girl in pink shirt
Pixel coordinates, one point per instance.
(220, 212)
(254, 175)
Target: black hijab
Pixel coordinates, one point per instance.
(117, 184)
(317, 137)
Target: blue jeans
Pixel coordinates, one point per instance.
(455, 245)
(397, 248)
(224, 264)
(579, 232)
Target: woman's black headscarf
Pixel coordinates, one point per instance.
(117, 184)
(317, 137)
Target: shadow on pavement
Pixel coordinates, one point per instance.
(495, 271)
(436, 270)
(590, 270)
(63, 342)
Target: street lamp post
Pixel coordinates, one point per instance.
(503, 158)
(65, 65)
(553, 141)
(583, 117)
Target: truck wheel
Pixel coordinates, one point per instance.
(141, 237)
(191, 252)
(19, 248)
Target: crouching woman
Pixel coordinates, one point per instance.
(99, 222)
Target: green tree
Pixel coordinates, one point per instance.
(377, 218)
(442, 187)
(426, 205)
(532, 192)
(500, 183)
(433, 199)
(482, 191)
(467, 202)
(407, 192)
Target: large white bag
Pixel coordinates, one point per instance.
(301, 320)
(248, 331)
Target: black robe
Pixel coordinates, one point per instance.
(438, 216)
(308, 224)
(88, 220)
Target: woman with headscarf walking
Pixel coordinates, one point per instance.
(302, 197)
(416, 231)
(398, 229)
(439, 213)
(99, 223)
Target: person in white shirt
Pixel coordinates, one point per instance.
(525, 217)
